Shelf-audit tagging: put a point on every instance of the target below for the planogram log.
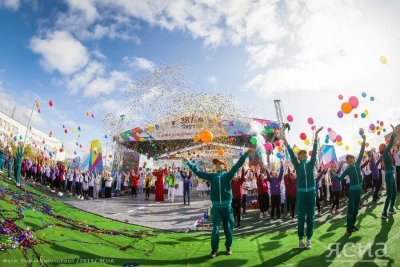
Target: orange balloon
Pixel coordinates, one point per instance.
(196, 138)
(206, 136)
(346, 108)
(220, 152)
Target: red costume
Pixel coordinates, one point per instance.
(160, 183)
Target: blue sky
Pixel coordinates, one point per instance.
(82, 54)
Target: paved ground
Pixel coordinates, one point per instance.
(166, 216)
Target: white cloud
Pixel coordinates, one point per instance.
(60, 51)
(140, 63)
(93, 80)
(10, 4)
(212, 80)
(116, 80)
(86, 7)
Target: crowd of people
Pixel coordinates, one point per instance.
(293, 186)
(303, 186)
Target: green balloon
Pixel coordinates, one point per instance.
(253, 140)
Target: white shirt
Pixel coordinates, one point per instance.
(109, 181)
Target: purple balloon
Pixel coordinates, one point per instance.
(340, 114)
(372, 126)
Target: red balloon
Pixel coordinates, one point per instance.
(51, 103)
(277, 143)
(356, 116)
(303, 136)
(65, 131)
(381, 123)
(290, 118)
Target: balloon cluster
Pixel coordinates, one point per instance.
(351, 105)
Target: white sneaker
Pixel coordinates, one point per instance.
(61, 194)
(301, 244)
(308, 246)
(261, 215)
(78, 197)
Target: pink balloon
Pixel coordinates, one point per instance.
(332, 136)
(338, 138)
(268, 146)
(340, 97)
(353, 101)
(329, 129)
(290, 118)
(310, 121)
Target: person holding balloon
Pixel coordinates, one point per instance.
(353, 170)
(221, 198)
(385, 151)
(305, 199)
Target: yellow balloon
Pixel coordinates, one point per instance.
(383, 60)
(346, 148)
(359, 142)
(307, 142)
(296, 149)
(366, 112)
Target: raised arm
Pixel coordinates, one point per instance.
(201, 174)
(239, 163)
(360, 156)
(293, 158)
(315, 147)
(281, 172)
(391, 142)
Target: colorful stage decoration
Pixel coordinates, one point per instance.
(190, 127)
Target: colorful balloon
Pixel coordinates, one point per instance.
(364, 94)
(307, 142)
(303, 136)
(206, 136)
(253, 140)
(51, 103)
(383, 60)
(372, 98)
(363, 115)
(220, 152)
(268, 146)
(277, 143)
(310, 121)
(340, 114)
(338, 138)
(346, 108)
(353, 101)
(289, 118)
(356, 116)
(279, 155)
(346, 148)
(340, 97)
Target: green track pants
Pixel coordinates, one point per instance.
(353, 207)
(224, 214)
(390, 192)
(305, 206)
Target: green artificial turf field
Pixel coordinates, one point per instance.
(64, 236)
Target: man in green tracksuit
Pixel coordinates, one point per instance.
(356, 180)
(305, 198)
(9, 164)
(389, 177)
(17, 165)
(2, 159)
(221, 198)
